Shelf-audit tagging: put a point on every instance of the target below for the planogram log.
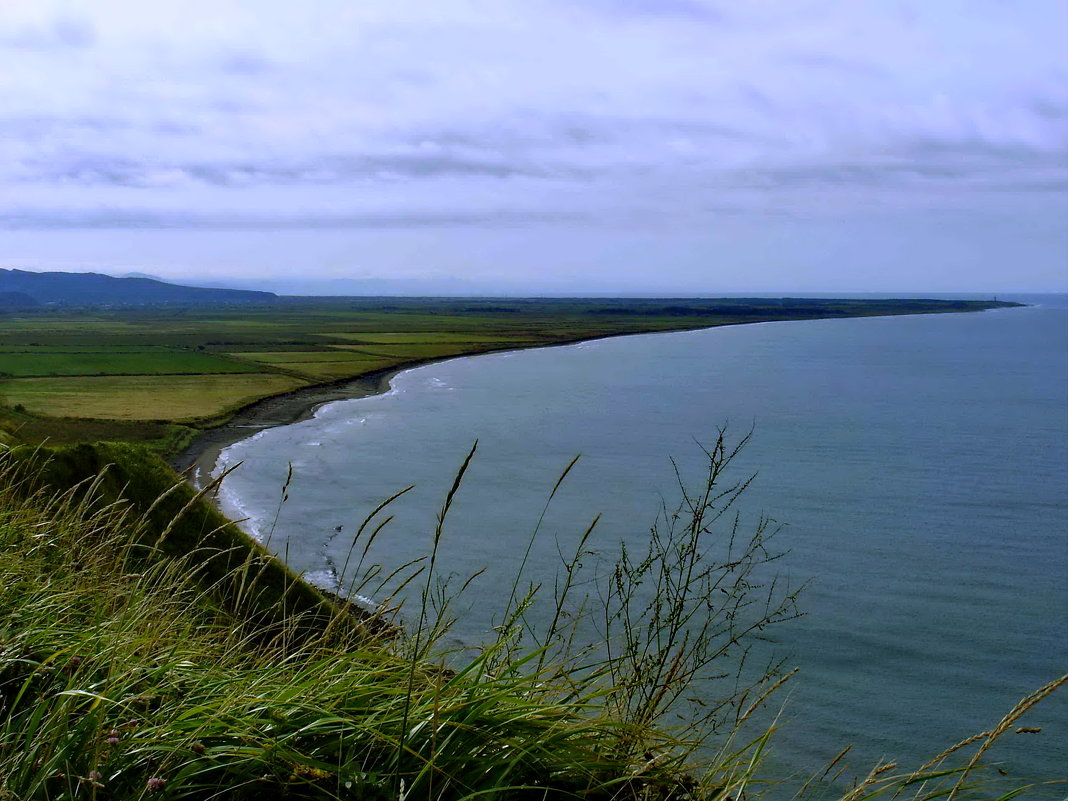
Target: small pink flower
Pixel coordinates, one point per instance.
(155, 784)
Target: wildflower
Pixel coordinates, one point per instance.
(113, 737)
(155, 784)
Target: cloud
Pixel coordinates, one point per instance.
(692, 10)
(245, 62)
(565, 134)
(669, 115)
(59, 33)
(974, 166)
(119, 219)
(1053, 109)
(829, 62)
(118, 171)
(33, 127)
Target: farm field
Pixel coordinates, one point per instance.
(330, 365)
(160, 376)
(89, 363)
(180, 398)
(428, 350)
(438, 337)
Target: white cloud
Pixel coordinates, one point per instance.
(667, 115)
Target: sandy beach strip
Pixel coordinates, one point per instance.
(198, 459)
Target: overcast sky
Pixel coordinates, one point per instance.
(584, 145)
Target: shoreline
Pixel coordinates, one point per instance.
(200, 456)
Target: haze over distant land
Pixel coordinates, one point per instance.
(553, 146)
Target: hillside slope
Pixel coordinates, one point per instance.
(132, 668)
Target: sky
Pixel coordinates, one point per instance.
(540, 146)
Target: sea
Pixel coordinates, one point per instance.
(916, 468)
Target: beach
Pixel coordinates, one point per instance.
(199, 458)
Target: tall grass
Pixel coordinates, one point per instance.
(126, 673)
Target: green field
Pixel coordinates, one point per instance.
(142, 397)
(155, 362)
(323, 365)
(297, 356)
(430, 350)
(156, 373)
(437, 337)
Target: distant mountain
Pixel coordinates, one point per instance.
(16, 300)
(357, 287)
(20, 288)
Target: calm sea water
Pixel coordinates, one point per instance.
(920, 464)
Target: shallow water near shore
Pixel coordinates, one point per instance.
(920, 462)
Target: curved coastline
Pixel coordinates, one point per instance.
(200, 457)
(202, 454)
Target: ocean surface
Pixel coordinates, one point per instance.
(919, 464)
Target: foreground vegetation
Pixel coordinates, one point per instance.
(160, 375)
(149, 649)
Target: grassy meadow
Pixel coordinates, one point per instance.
(183, 398)
(158, 376)
(24, 364)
